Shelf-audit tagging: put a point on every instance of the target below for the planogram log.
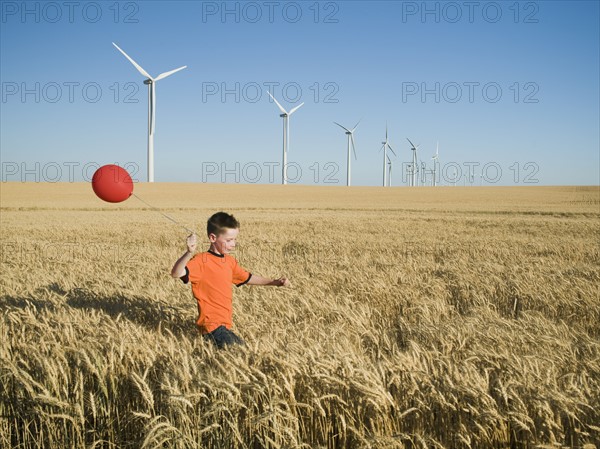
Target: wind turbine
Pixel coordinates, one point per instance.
(385, 146)
(415, 167)
(350, 134)
(151, 107)
(435, 161)
(286, 134)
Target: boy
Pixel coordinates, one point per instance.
(212, 273)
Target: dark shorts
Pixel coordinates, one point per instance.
(222, 337)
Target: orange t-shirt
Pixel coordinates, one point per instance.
(211, 275)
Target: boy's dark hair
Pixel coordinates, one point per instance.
(219, 222)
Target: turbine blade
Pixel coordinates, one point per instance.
(353, 148)
(296, 108)
(412, 144)
(135, 64)
(164, 75)
(356, 126)
(391, 149)
(343, 127)
(283, 111)
(152, 108)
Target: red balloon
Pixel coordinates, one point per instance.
(112, 183)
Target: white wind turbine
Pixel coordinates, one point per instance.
(415, 167)
(151, 107)
(435, 161)
(350, 134)
(385, 146)
(286, 134)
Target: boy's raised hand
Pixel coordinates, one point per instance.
(192, 243)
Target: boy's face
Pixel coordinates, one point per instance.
(224, 242)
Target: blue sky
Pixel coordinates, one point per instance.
(509, 89)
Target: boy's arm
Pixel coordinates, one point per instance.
(178, 269)
(259, 280)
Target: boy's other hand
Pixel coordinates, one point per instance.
(283, 282)
(192, 243)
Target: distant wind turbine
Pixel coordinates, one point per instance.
(389, 163)
(385, 146)
(350, 134)
(435, 161)
(151, 107)
(286, 134)
(415, 167)
(423, 173)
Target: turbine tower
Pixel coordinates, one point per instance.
(435, 161)
(286, 134)
(385, 146)
(415, 167)
(350, 134)
(151, 107)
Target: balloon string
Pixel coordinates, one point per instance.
(163, 214)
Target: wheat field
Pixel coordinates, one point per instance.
(449, 317)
